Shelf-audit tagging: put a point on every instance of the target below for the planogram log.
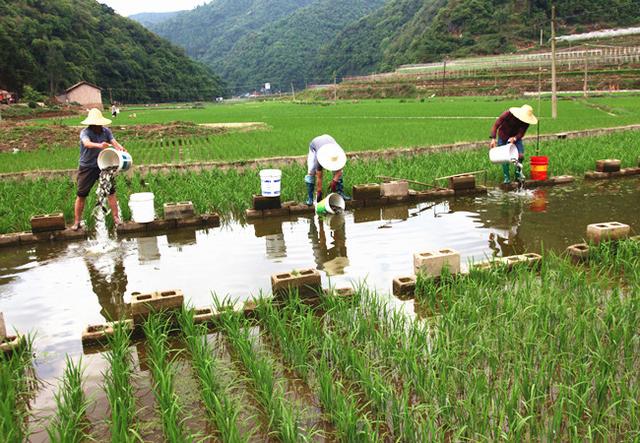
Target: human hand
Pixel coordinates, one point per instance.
(120, 148)
(492, 144)
(513, 140)
(104, 145)
(333, 185)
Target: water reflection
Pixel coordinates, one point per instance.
(333, 260)
(148, 250)
(109, 282)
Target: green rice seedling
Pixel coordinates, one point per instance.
(283, 421)
(69, 425)
(120, 392)
(221, 409)
(156, 329)
(16, 387)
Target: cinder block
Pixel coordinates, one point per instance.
(630, 171)
(253, 214)
(635, 238)
(10, 344)
(175, 211)
(9, 240)
(161, 225)
(47, 222)
(462, 182)
(306, 281)
(594, 175)
(99, 334)
(280, 212)
(144, 304)
(483, 266)
(432, 263)
(443, 192)
(529, 259)
(70, 234)
(608, 165)
(562, 179)
(395, 189)
(189, 222)
(607, 231)
(353, 204)
(561, 135)
(579, 251)
(261, 203)
(28, 238)
(380, 201)
(250, 309)
(301, 208)
(203, 316)
(368, 191)
(404, 287)
(131, 227)
(210, 220)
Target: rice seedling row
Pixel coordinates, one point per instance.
(229, 192)
(16, 386)
(69, 425)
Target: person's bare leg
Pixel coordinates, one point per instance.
(78, 209)
(113, 203)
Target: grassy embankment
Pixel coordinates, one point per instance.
(230, 192)
(361, 125)
(549, 354)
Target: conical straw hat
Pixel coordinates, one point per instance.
(95, 118)
(524, 114)
(332, 157)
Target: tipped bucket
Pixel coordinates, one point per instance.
(332, 204)
(110, 157)
(503, 154)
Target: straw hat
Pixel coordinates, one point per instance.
(524, 114)
(332, 157)
(95, 118)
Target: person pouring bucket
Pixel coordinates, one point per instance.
(511, 127)
(324, 153)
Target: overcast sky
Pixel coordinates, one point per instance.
(128, 7)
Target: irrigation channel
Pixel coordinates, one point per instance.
(56, 290)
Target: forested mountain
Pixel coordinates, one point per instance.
(255, 41)
(458, 28)
(153, 18)
(52, 44)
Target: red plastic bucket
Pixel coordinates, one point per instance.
(539, 167)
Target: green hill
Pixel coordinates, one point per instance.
(153, 18)
(459, 28)
(55, 43)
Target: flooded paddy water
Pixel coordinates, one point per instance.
(56, 290)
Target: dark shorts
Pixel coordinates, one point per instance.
(87, 178)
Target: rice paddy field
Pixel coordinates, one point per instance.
(545, 353)
(289, 127)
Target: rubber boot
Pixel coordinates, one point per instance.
(505, 173)
(340, 190)
(311, 187)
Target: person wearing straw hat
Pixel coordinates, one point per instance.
(324, 153)
(93, 139)
(510, 127)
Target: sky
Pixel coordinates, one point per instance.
(128, 7)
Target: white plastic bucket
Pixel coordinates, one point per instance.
(270, 182)
(503, 154)
(110, 157)
(141, 205)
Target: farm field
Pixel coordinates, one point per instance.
(358, 125)
(229, 192)
(550, 352)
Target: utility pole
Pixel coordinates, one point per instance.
(541, 36)
(586, 73)
(554, 84)
(293, 91)
(444, 74)
(335, 88)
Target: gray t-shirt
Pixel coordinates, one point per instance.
(89, 156)
(314, 147)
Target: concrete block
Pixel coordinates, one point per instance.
(203, 316)
(366, 214)
(561, 135)
(353, 204)
(306, 281)
(579, 251)
(261, 203)
(28, 238)
(211, 220)
(189, 222)
(9, 240)
(250, 310)
(608, 165)
(404, 287)
(144, 304)
(630, 171)
(99, 334)
(432, 263)
(253, 214)
(395, 189)
(380, 201)
(478, 190)
(395, 212)
(462, 182)
(483, 266)
(635, 238)
(443, 192)
(280, 212)
(529, 259)
(607, 231)
(11, 343)
(70, 234)
(368, 191)
(174, 211)
(594, 175)
(131, 228)
(161, 225)
(300, 209)
(562, 179)
(47, 222)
